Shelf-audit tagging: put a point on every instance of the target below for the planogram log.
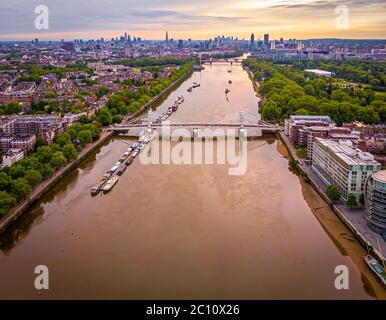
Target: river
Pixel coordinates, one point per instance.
(179, 231)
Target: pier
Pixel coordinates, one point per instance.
(107, 182)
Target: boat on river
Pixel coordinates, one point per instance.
(190, 89)
(180, 99)
(135, 153)
(129, 161)
(376, 267)
(95, 190)
(121, 169)
(110, 183)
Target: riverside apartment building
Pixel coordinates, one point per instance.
(340, 164)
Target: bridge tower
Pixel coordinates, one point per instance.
(242, 118)
(242, 130)
(149, 121)
(195, 133)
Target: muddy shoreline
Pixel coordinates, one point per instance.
(338, 232)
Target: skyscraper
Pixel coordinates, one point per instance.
(167, 37)
(266, 40)
(252, 44)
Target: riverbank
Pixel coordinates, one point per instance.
(343, 233)
(255, 83)
(44, 186)
(161, 95)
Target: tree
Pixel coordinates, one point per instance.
(333, 193)
(351, 201)
(6, 202)
(271, 111)
(117, 119)
(104, 116)
(84, 119)
(301, 152)
(33, 177)
(5, 181)
(11, 108)
(16, 171)
(70, 151)
(85, 136)
(302, 112)
(309, 90)
(58, 160)
(46, 170)
(134, 106)
(55, 147)
(63, 138)
(44, 154)
(362, 200)
(101, 92)
(40, 143)
(20, 188)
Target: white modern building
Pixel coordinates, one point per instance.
(12, 156)
(376, 202)
(340, 164)
(321, 73)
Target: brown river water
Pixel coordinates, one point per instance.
(179, 231)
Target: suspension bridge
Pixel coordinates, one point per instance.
(156, 121)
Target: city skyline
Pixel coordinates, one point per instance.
(300, 19)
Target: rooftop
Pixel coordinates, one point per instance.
(380, 176)
(310, 118)
(347, 153)
(343, 136)
(317, 128)
(319, 72)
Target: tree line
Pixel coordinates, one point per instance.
(127, 100)
(18, 180)
(287, 90)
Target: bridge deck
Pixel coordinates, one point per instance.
(193, 125)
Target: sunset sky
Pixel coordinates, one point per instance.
(198, 19)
